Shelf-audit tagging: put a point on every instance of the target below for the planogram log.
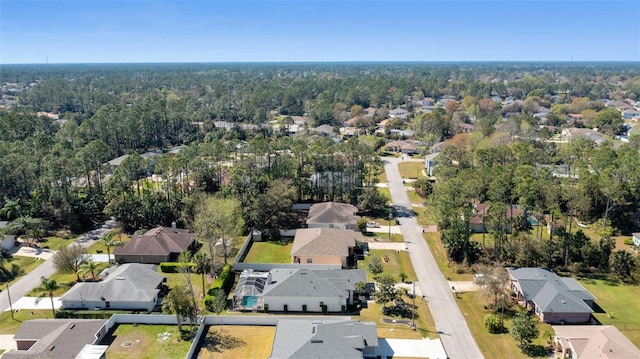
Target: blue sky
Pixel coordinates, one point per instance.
(91, 31)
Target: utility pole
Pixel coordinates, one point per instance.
(389, 223)
(10, 305)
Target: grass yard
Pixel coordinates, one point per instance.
(414, 198)
(398, 263)
(411, 170)
(54, 243)
(619, 303)
(24, 265)
(11, 326)
(385, 192)
(142, 342)
(174, 279)
(450, 272)
(98, 247)
(237, 342)
(471, 305)
(423, 320)
(269, 252)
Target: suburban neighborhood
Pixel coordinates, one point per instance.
(450, 221)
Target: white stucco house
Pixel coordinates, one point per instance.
(636, 239)
(299, 290)
(131, 286)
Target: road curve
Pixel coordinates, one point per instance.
(451, 325)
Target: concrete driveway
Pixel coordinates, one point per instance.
(414, 348)
(7, 343)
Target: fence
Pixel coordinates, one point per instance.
(207, 321)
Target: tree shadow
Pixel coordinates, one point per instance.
(218, 341)
(535, 351)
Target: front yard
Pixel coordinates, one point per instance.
(393, 263)
(472, 306)
(399, 330)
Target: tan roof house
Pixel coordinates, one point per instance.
(405, 147)
(157, 245)
(325, 246)
(593, 342)
(332, 215)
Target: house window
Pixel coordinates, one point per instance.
(309, 260)
(321, 304)
(107, 304)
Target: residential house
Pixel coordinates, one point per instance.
(398, 113)
(111, 166)
(324, 130)
(430, 162)
(305, 290)
(129, 286)
(324, 339)
(593, 342)
(405, 147)
(325, 246)
(156, 246)
(332, 215)
(57, 338)
(630, 113)
(636, 239)
(554, 299)
(478, 222)
(8, 240)
(574, 133)
(299, 290)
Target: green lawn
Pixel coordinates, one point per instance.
(619, 303)
(64, 280)
(98, 247)
(25, 265)
(174, 279)
(471, 305)
(451, 272)
(411, 170)
(423, 320)
(269, 252)
(144, 342)
(54, 243)
(397, 263)
(10, 326)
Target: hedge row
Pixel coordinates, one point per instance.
(221, 283)
(173, 267)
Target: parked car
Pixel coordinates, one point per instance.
(373, 225)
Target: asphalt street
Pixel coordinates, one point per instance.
(451, 325)
(32, 280)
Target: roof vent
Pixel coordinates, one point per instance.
(72, 326)
(564, 302)
(317, 341)
(120, 278)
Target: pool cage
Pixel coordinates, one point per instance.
(248, 292)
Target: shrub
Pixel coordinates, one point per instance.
(221, 283)
(629, 241)
(493, 324)
(173, 267)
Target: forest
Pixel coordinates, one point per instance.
(59, 125)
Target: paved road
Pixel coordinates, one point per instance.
(453, 329)
(32, 280)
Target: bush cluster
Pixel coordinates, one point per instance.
(221, 283)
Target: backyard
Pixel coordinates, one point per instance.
(269, 252)
(145, 341)
(619, 305)
(237, 342)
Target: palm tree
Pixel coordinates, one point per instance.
(202, 265)
(11, 208)
(89, 266)
(49, 286)
(110, 240)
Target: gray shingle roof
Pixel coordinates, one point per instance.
(332, 212)
(56, 338)
(323, 339)
(313, 283)
(127, 282)
(324, 242)
(551, 293)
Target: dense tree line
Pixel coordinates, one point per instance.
(53, 168)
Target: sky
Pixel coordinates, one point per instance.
(131, 31)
